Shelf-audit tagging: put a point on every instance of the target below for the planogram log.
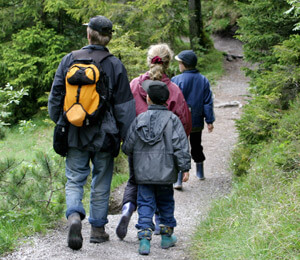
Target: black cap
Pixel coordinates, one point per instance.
(100, 24)
(188, 57)
(157, 91)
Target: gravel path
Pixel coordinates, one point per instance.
(192, 203)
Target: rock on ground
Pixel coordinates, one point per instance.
(192, 203)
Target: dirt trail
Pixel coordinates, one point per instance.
(192, 203)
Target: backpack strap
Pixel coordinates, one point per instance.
(97, 56)
(91, 54)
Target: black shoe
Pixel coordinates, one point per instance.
(74, 235)
(98, 235)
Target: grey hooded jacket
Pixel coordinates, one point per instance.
(157, 141)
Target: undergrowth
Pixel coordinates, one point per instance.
(32, 179)
(260, 219)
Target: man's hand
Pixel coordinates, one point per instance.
(186, 176)
(210, 127)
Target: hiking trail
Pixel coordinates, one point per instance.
(191, 204)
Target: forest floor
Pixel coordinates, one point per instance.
(191, 204)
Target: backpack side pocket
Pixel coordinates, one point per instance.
(60, 139)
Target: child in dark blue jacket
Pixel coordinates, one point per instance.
(159, 146)
(198, 95)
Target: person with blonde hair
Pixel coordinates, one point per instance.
(159, 57)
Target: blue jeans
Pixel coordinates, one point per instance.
(77, 171)
(149, 198)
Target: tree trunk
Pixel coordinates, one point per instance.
(196, 24)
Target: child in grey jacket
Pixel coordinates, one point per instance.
(160, 149)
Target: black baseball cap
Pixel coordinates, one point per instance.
(157, 91)
(100, 24)
(188, 57)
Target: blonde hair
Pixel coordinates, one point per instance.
(98, 39)
(165, 53)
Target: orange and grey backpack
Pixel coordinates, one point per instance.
(88, 88)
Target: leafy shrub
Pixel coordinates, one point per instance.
(240, 162)
(133, 58)
(39, 185)
(273, 91)
(258, 119)
(9, 101)
(31, 61)
(25, 126)
(31, 197)
(263, 25)
(220, 15)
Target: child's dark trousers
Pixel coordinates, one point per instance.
(149, 198)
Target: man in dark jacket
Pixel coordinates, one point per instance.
(159, 147)
(98, 142)
(198, 95)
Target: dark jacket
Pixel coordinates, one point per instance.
(159, 146)
(198, 95)
(104, 136)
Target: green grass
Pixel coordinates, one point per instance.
(252, 224)
(15, 226)
(260, 219)
(23, 144)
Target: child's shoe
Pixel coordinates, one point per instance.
(127, 211)
(200, 171)
(144, 248)
(167, 239)
(178, 184)
(145, 236)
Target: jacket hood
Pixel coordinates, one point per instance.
(152, 123)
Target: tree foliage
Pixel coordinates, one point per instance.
(38, 186)
(36, 34)
(220, 16)
(262, 25)
(295, 10)
(154, 21)
(31, 59)
(272, 43)
(272, 93)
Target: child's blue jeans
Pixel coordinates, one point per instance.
(150, 197)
